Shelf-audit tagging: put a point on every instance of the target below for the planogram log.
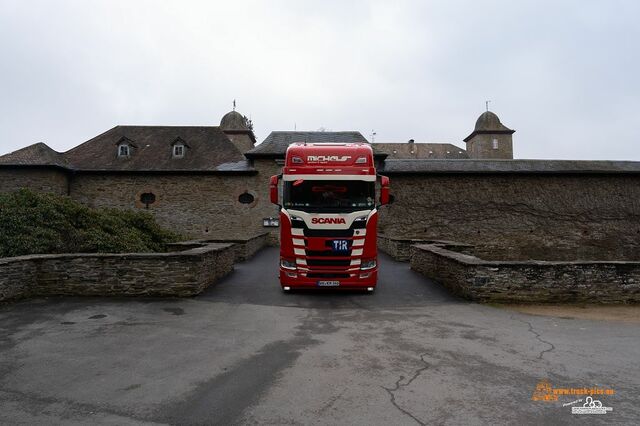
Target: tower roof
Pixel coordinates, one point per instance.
(234, 121)
(488, 123)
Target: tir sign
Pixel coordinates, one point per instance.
(340, 246)
(327, 158)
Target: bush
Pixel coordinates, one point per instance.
(32, 222)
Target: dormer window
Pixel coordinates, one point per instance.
(124, 147)
(178, 148)
(123, 150)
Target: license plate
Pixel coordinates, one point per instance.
(340, 246)
(328, 283)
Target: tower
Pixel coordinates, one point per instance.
(239, 129)
(490, 139)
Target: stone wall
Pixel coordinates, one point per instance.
(39, 179)
(246, 249)
(200, 206)
(578, 213)
(184, 273)
(528, 281)
(597, 213)
(398, 248)
(242, 249)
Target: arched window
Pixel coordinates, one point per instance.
(123, 150)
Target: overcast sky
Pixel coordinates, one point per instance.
(564, 74)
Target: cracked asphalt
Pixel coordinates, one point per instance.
(246, 353)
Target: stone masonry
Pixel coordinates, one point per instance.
(196, 205)
(38, 179)
(528, 281)
(181, 273)
(598, 213)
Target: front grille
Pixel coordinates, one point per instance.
(326, 275)
(329, 233)
(328, 262)
(327, 253)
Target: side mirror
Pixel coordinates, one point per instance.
(384, 190)
(273, 188)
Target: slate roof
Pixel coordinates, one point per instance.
(425, 151)
(275, 145)
(207, 148)
(509, 166)
(238, 166)
(489, 123)
(38, 154)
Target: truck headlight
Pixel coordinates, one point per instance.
(287, 264)
(360, 219)
(367, 264)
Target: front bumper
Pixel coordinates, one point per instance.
(362, 280)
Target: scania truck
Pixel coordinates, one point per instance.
(328, 216)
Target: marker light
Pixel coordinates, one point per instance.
(367, 264)
(287, 264)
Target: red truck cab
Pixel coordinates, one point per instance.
(328, 216)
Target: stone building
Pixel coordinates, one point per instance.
(212, 182)
(490, 139)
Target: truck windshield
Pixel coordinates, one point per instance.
(329, 195)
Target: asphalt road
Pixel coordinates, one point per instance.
(246, 353)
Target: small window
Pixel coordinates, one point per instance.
(494, 143)
(178, 150)
(147, 198)
(123, 150)
(246, 198)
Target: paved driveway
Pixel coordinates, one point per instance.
(244, 352)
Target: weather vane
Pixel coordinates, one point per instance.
(234, 104)
(485, 102)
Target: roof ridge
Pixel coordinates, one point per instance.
(163, 125)
(316, 131)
